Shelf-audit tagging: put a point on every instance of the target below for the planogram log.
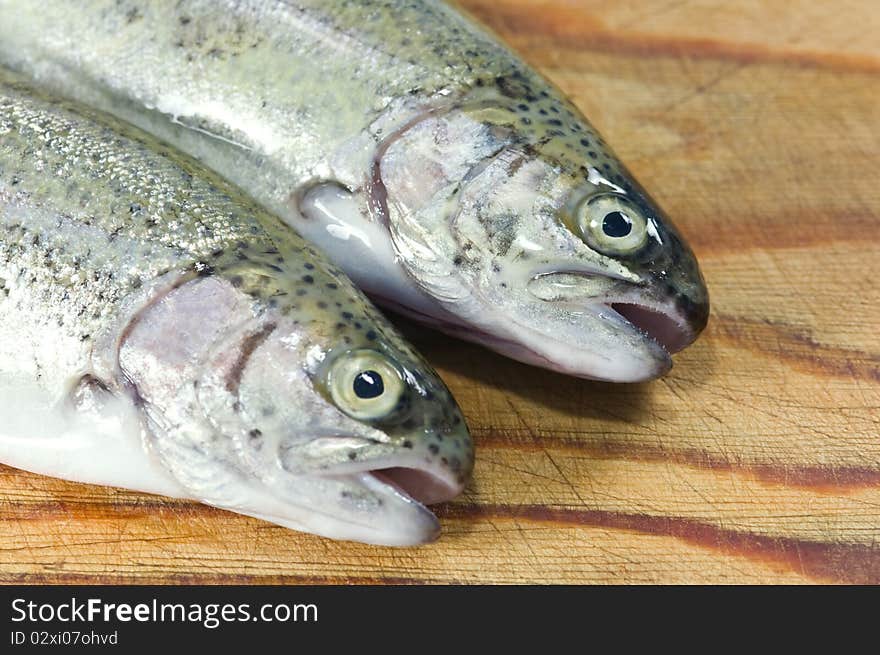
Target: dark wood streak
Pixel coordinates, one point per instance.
(841, 562)
(580, 32)
(158, 577)
(817, 478)
(795, 345)
(771, 231)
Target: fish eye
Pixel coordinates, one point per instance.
(365, 384)
(612, 225)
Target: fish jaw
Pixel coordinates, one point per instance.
(380, 499)
(672, 318)
(674, 324)
(401, 521)
(368, 508)
(380, 491)
(596, 325)
(603, 346)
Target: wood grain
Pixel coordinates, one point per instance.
(757, 125)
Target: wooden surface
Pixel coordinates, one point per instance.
(757, 125)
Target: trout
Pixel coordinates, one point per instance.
(451, 181)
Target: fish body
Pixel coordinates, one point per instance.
(159, 331)
(447, 178)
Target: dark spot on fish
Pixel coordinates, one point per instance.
(434, 449)
(371, 335)
(407, 444)
(332, 285)
(308, 279)
(352, 455)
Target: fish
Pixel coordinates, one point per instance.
(160, 331)
(452, 182)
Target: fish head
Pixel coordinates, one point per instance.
(283, 394)
(515, 212)
(345, 425)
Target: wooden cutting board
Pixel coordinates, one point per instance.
(757, 125)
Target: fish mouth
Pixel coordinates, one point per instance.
(664, 327)
(424, 487)
(673, 323)
(416, 482)
(400, 487)
(605, 325)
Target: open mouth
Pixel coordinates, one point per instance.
(414, 479)
(423, 487)
(385, 497)
(657, 320)
(658, 325)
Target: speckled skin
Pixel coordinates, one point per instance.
(278, 96)
(101, 223)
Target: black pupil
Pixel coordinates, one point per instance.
(616, 224)
(368, 384)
